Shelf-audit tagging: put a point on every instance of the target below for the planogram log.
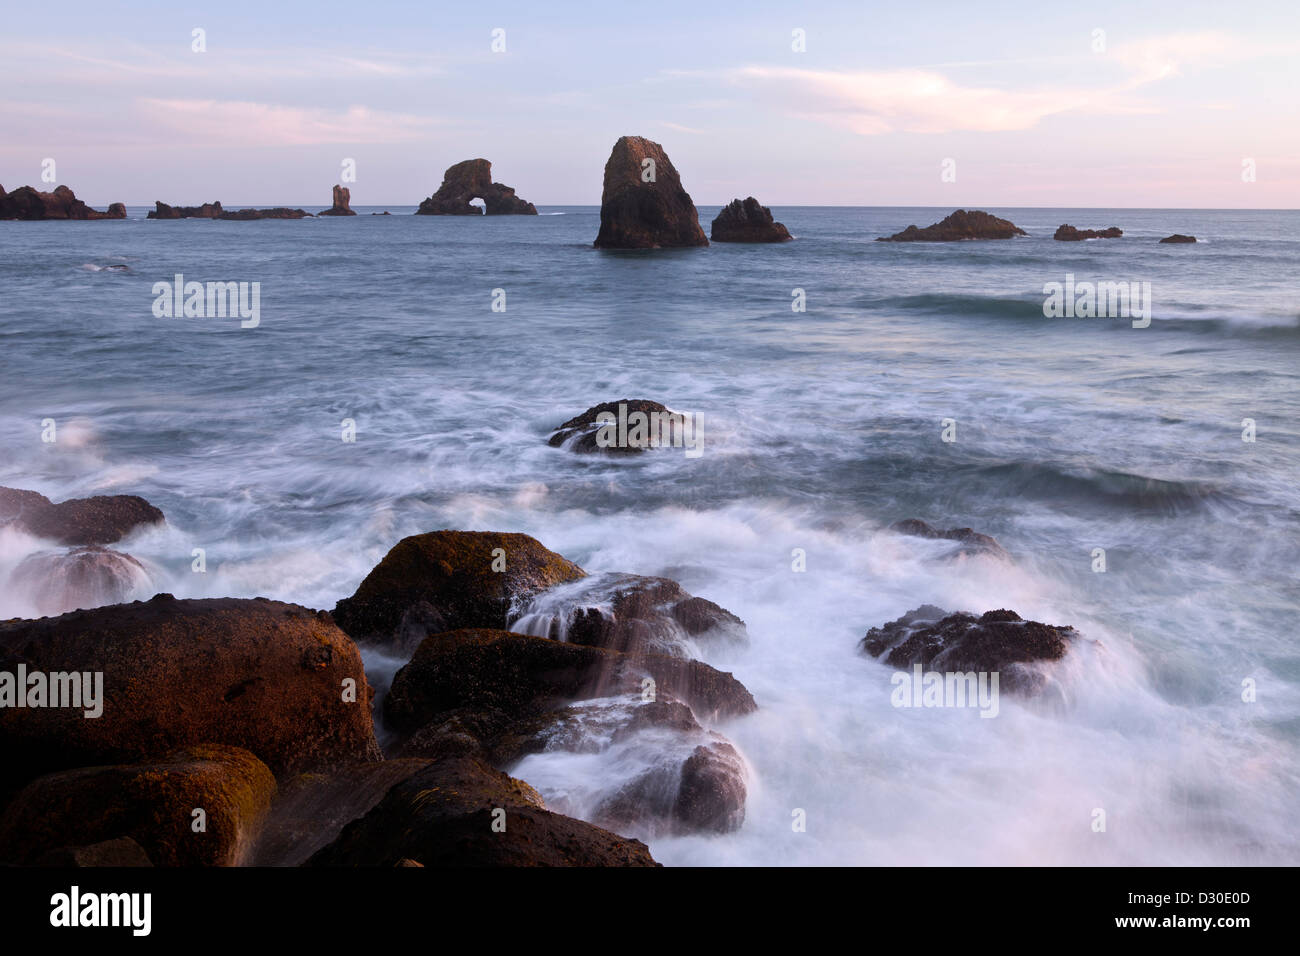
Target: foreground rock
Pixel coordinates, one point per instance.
(747, 221)
(643, 204)
(29, 203)
(276, 679)
(495, 684)
(445, 815)
(959, 226)
(341, 207)
(60, 581)
(472, 179)
(117, 853)
(996, 642)
(102, 519)
(213, 210)
(1067, 233)
(630, 613)
(153, 804)
(586, 434)
(972, 542)
(1178, 238)
(444, 580)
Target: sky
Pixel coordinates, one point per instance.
(1158, 104)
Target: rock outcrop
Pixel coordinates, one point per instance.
(461, 812)
(960, 225)
(1178, 238)
(152, 804)
(214, 210)
(278, 680)
(444, 580)
(747, 221)
(60, 581)
(342, 197)
(643, 204)
(996, 641)
(971, 541)
(120, 852)
(580, 433)
(1067, 233)
(29, 203)
(630, 613)
(472, 179)
(101, 519)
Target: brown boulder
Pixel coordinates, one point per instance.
(153, 804)
(453, 813)
(472, 179)
(446, 580)
(997, 641)
(102, 519)
(1067, 233)
(643, 204)
(342, 198)
(59, 581)
(116, 853)
(960, 225)
(1179, 238)
(271, 678)
(747, 222)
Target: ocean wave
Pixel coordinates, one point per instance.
(1100, 487)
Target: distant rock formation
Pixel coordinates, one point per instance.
(1067, 233)
(29, 203)
(342, 196)
(960, 225)
(747, 222)
(1178, 237)
(472, 179)
(643, 204)
(213, 210)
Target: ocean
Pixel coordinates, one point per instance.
(1180, 717)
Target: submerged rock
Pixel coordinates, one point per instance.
(972, 542)
(996, 641)
(472, 179)
(747, 221)
(642, 203)
(29, 203)
(276, 679)
(960, 225)
(102, 519)
(342, 198)
(60, 581)
(444, 580)
(213, 210)
(153, 804)
(1178, 238)
(1067, 233)
(662, 428)
(628, 612)
(461, 812)
(498, 683)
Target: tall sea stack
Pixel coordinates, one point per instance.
(643, 204)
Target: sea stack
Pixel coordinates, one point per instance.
(643, 204)
(1067, 233)
(747, 221)
(472, 179)
(960, 225)
(29, 203)
(342, 196)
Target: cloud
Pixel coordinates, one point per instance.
(232, 123)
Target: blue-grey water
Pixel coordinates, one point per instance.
(820, 429)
